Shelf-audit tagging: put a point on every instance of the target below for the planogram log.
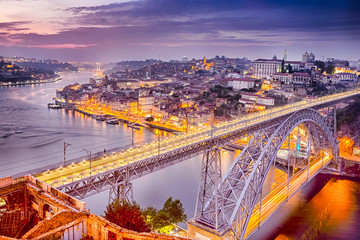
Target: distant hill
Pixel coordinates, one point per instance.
(134, 65)
(53, 67)
(348, 122)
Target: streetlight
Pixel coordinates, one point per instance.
(89, 155)
(158, 135)
(133, 128)
(65, 146)
(158, 143)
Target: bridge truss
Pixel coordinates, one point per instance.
(224, 203)
(228, 205)
(81, 181)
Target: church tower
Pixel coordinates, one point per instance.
(285, 55)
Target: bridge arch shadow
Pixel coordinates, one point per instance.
(241, 187)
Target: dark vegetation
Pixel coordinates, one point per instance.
(131, 216)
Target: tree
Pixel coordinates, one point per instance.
(174, 210)
(283, 66)
(330, 69)
(289, 68)
(150, 214)
(126, 215)
(171, 213)
(320, 65)
(149, 119)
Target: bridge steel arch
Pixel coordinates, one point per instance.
(240, 188)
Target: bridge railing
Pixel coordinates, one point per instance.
(94, 156)
(218, 129)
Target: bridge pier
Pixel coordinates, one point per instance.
(121, 192)
(199, 231)
(235, 208)
(209, 182)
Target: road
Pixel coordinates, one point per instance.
(279, 195)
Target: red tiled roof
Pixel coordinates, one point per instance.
(250, 94)
(265, 97)
(245, 79)
(293, 62)
(281, 74)
(301, 74)
(267, 60)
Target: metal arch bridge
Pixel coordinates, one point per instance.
(229, 205)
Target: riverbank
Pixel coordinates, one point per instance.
(350, 167)
(30, 82)
(123, 119)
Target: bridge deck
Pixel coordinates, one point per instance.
(79, 180)
(272, 202)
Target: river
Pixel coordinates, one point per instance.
(31, 136)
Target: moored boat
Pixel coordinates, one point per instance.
(54, 106)
(112, 121)
(100, 118)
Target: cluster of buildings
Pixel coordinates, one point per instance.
(19, 59)
(12, 73)
(199, 92)
(306, 71)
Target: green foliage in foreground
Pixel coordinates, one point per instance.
(172, 212)
(126, 215)
(130, 216)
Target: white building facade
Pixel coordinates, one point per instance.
(241, 83)
(283, 77)
(265, 68)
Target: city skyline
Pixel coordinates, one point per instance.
(133, 30)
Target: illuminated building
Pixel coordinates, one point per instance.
(265, 68)
(308, 57)
(146, 104)
(301, 78)
(283, 77)
(240, 83)
(248, 98)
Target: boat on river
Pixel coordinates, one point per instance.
(113, 121)
(54, 106)
(100, 118)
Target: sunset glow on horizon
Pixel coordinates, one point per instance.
(169, 29)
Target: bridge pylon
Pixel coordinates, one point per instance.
(329, 114)
(122, 192)
(209, 184)
(238, 209)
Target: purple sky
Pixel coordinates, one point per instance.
(105, 30)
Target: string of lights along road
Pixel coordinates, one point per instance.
(85, 169)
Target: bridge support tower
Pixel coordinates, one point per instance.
(232, 207)
(122, 191)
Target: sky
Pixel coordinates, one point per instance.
(108, 30)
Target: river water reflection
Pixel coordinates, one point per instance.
(33, 136)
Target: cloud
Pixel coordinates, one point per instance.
(13, 26)
(187, 23)
(63, 46)
(204, 16)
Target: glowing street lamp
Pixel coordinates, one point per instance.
(89, 155)
(65, 146)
